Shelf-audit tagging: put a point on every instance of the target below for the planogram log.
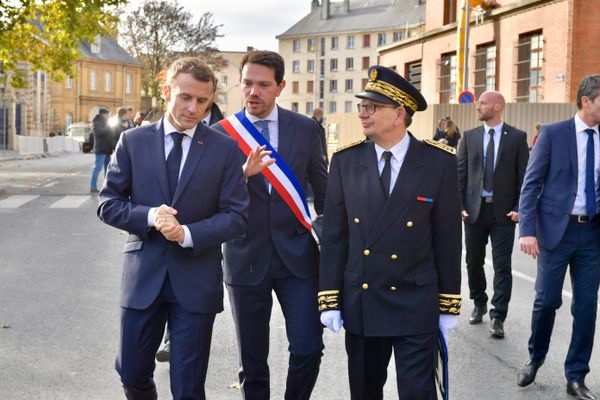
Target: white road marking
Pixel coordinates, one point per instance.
(16, 201)
(50, 184)
(70, 202)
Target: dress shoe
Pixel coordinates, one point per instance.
(580, 391)
(164, 354)
(477, 314)
(94, 191)
(497, 328)
(528, 371)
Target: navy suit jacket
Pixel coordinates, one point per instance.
(550, 184)
(211, 199)
(270, 221)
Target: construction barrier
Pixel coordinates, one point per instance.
(31, 145)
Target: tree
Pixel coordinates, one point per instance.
(47, 33)
(159, 31)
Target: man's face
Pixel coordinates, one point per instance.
(129, 114)
(187, 99)
(259, 89)
(319, 114)
(382, 121)
(591, 109)
(486, 107)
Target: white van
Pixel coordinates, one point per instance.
(81, 132)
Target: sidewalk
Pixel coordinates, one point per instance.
(11, 155)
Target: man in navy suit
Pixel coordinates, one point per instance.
(278, 253)
(177, 187)
(560, 226)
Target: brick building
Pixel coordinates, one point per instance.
(532, 51)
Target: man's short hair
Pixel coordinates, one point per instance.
(103, 110)
(588, 87)
(269, 59)
(121, 111)
(191, 65)
(130, 109)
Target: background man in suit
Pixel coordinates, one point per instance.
(491, 164)
(318, 116)
(177, 187)
(278, 253)
(560, 226)
(391, 245)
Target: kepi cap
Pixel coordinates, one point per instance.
(387, 86)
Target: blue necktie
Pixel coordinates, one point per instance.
(174, 162)
(263, 127)
(590, 183)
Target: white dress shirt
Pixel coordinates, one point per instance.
(273, 119)
(582, 138)
(486, 139)
(398, 151)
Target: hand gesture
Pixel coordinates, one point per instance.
(256, 162)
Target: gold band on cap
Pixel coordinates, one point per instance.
(392, 92)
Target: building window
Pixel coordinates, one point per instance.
(223, 79)
(348, 106)
(69, 83)
(333, 64)
(485, 69)
(413, 73)
(93, 80)
(333, 86)
(381, 39)
(332, 107)
(309, 107)
(107, 82)
(367, 40)
(335, 43)
(295, 87)
(129, 84)
(321, 89)
(322, 68)
(349, 42)
(321, 105)
(96, 46)
(311, 44)
(322, 47)
(449, 11)
(349, 85)
(397, 36)
(366, 62)
(296, 66)
(530, 60)
(363, 83)
(296, 45)
(448, 78)
(310, 86)
(349, 63)
(310, 66)
(295, 106)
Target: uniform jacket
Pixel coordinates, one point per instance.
(550, 184)
(270, 221)
(211, 199)
(511, 163)
(395, 263)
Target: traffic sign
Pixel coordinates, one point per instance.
(466, 97)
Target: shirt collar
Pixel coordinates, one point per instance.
(169, 128)
(581, 126)
(398, 150)
(206, 120)
(272, 117)
(497, 129)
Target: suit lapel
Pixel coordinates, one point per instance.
(404, 192)
(367, 175)
(197, 148)
(478, 142)
(503, 138)
(286, 135)
(572, 140)
(157, 153)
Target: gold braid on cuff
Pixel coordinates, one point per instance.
(328, 300)
(450, 303)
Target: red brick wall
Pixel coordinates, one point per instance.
(585, 54)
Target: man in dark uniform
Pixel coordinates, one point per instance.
(391, 245)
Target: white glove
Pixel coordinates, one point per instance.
(332, 319)
(447, 323)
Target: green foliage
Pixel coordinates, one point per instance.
(46, 34)
(160, 31)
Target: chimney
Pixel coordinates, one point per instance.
(314, 5)
(346, 7)
(324, 9)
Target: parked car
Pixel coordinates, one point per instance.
(81, 132)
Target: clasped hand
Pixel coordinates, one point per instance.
(166, 223)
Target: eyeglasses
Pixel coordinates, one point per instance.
(371, 108)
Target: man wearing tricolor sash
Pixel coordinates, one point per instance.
(283, 154)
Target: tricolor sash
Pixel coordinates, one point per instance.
(279, 174)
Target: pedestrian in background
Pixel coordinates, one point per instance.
(318, 116)
(121, 124)
(391, 245)
(561, 228)
(451, 134)
(538, 126)
(491, 164)
(103, 146)
(439, 131)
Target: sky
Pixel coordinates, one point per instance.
(249, 22)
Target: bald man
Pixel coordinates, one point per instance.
(492, 159)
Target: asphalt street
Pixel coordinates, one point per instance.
(60, 270)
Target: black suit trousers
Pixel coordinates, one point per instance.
(476, 239)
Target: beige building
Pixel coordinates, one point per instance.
(229, 93)
(328, 52)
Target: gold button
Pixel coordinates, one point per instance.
(367, 252)
(356, 221)
(409, 224)
(393, 288)
(365, 286)
(394, 257)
